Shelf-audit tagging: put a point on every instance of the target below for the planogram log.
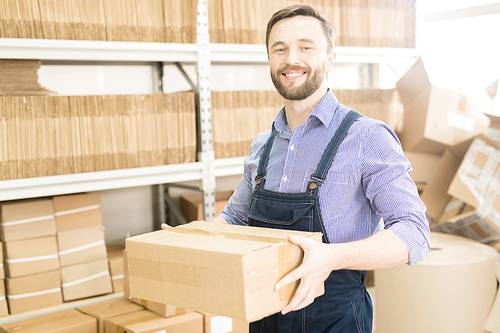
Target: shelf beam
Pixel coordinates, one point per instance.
(82, 50)
(98, 181)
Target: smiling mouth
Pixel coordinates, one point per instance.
(292, 75)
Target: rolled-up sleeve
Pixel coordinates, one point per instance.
(392, 193)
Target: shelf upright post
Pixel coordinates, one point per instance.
(205, 140)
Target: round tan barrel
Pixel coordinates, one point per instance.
(452, 290)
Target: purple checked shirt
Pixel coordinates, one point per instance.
(368, 180)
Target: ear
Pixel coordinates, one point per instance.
(330, 61)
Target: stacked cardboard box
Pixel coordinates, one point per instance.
(220, 324)
(20, 77)
(82, 250)
(191, 204)
(104, 310)
(4, 310)
(28, 232)
(67, 321)
(115, 259)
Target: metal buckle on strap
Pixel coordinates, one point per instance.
(314, 182)
(258, 179)
(317, 180)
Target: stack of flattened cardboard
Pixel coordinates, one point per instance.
(20, 77)
(358, 23)
(31, 262)
(171, 21)
(240, 115)
(55, 135)
(82, 250)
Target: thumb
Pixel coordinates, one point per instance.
(165, 226)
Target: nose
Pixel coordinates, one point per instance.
(292, 57)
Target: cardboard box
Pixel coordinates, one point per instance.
(477, 183)
(77, 246)
(115, 258)
(27, 219)
(30, 256)
(145, 321)
(32, 292)
(164, 310)
(221, 324)
(77, 211)
(4, 309)
(86, 280)
(67, 321)
(435, 195)
(493, 132)
(192, 207)
(216, 268)
(2, 269)
(424, 165)
(102, 311)
(436, 118)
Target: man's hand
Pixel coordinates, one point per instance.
(313, 271)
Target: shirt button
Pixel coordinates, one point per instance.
(285, 178)
(292, 147)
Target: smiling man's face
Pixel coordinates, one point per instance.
(298, 57)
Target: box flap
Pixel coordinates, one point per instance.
(413, 82)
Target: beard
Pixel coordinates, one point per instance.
(306, 89)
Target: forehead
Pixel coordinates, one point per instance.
(296, 28)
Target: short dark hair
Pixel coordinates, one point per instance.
(303, 10)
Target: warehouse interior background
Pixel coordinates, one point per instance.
(458, 41)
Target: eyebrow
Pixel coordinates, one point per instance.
(303, 40)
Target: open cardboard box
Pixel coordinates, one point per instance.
(216, 268)
(477, 183)
(436, 118)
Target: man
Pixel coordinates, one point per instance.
(324, 168)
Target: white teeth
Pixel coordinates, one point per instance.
(293, 74)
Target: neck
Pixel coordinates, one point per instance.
(297, 111)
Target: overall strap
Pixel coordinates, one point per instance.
(264, 158)
(319, 176)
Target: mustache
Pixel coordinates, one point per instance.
(293, 68)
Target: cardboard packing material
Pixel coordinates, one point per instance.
(221, 324)
(492, 324)
(77, 211)
(493, 132)
(192, 207)
(85, 280)
(102, 311)
(67, 321)
(4, 309)
(146, 321)
(436, 118)
(217, 268)
(435, 195)
(477, 183)
(35, 291)
(30, 256)
(115, 258)
(2, 269)
(424, 166)
(452, 290)
(77, 246)
(27, 219)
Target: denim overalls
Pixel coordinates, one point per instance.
(346, 306)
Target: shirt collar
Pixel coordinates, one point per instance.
(324, 112)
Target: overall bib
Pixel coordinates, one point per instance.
(345, 306)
